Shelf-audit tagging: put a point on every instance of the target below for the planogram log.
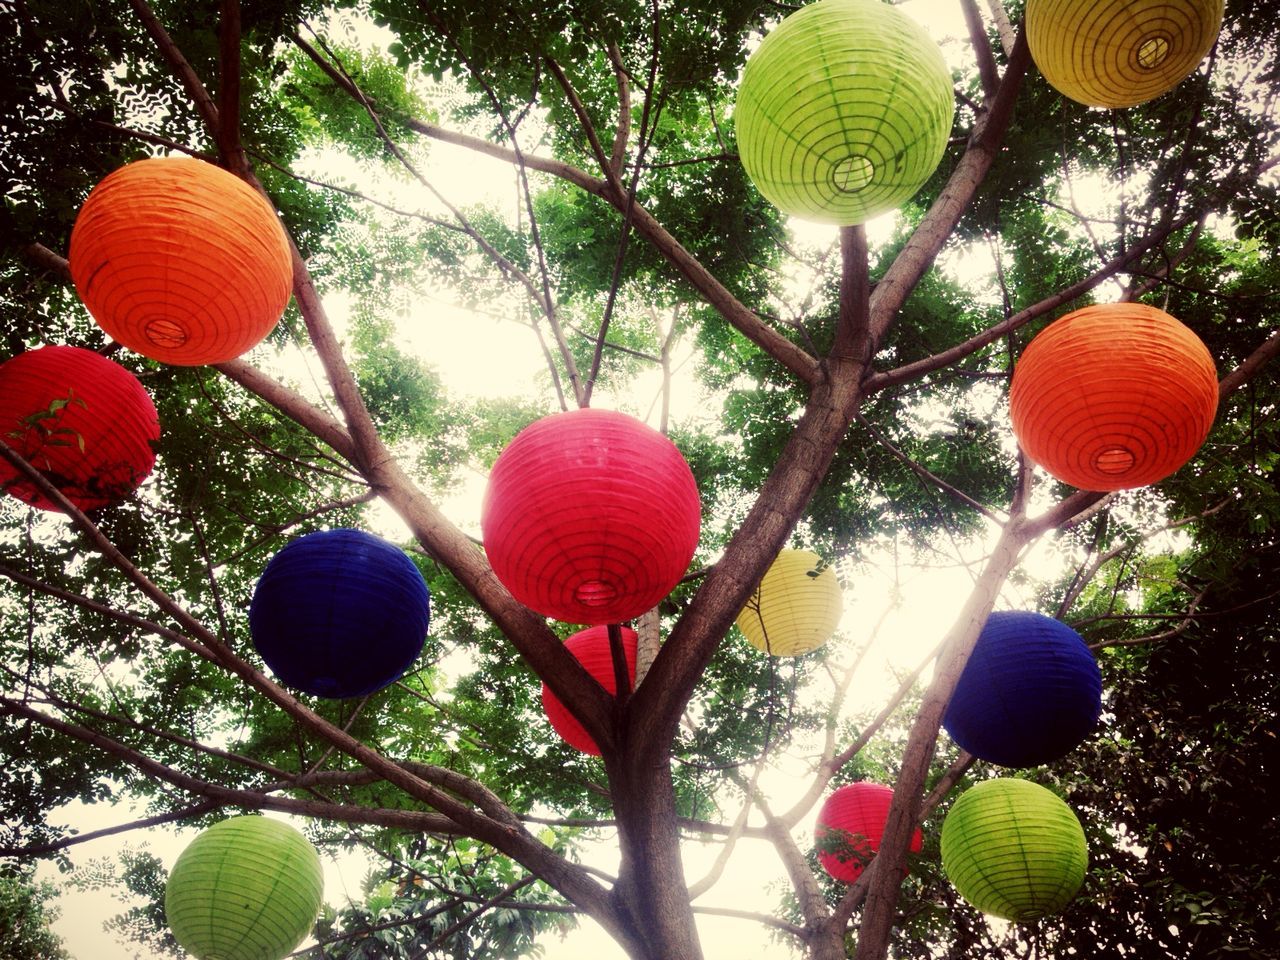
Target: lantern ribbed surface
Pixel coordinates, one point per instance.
(1118, 53)
(340, 613)
(796, 607)
(82, 420)
(590, 516)
(248, 888)
(850, 826)
(844, 111)
(1030, 692)
(590, 648)
(1014, 850)
(181, 261)
(1113, 397)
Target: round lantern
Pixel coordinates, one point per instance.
(1113, 397)
(181, 261)
(590, 648)
(796, 607)
(247, 888)
(844, 111)
(590, 517)
(339, 613)
(1014, 850)
(82, 420)
(1029, 694)
(850, 825)
(1117, 53)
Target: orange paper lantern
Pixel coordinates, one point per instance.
(1113, 397)
(181, 261)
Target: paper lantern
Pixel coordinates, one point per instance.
(1117, 53)
(844, 111)
(591, 649)
(1029, 694)
(82, 420)
(795, 609)
(1113, 397)
(247, 888)
(339, 613)
(849, 827)
(1013, 849)
(181, 261)
(590, 517)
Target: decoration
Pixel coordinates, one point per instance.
(591, 649)
(82, 420)
(590, 517)
(796, 607)
(1013, 849)
(181, 261)
(340, 613)
(1029, 694)
(844, 111)
(247, 888)
(850, 825)
(1118, 53)
(1113, 397)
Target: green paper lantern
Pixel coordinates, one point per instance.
(247, 888)
(844, 111)
(1014, 850)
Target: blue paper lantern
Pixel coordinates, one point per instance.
(1029, 694)
(340, 613)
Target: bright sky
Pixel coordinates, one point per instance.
(511, 366)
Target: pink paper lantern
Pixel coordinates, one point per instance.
(591, 649)
(590, 517)
(850, 825)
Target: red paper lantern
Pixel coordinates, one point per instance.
(591, 649)
(590, 517)
(181, 261)
(850, 825)
(82, 420)
(1113, 397)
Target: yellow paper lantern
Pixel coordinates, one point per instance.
(1118, 53)
(796, 607)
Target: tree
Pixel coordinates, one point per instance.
(24, 920)
(866, 411)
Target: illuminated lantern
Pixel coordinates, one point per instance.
(1117, 53)
(1029, 694)
(844, 111)
(850, 825)
(82, 420)
(1014, 850)
(796, 607)
(340, 613)
(247, 888)
(181, 261)
(1113, 397)
(590, 648)
(590, 517)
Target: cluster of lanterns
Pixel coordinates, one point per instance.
(591, 517)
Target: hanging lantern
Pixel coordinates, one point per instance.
(1029, 694)
(590, 517)
(844, 111)
(82, 420)
(1118, 53)
(590, 648)
(1014, 850)
(850, 825)
(340, 613)
(181, 261)
(1113, 397)
(796, 607)
(247, 888)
